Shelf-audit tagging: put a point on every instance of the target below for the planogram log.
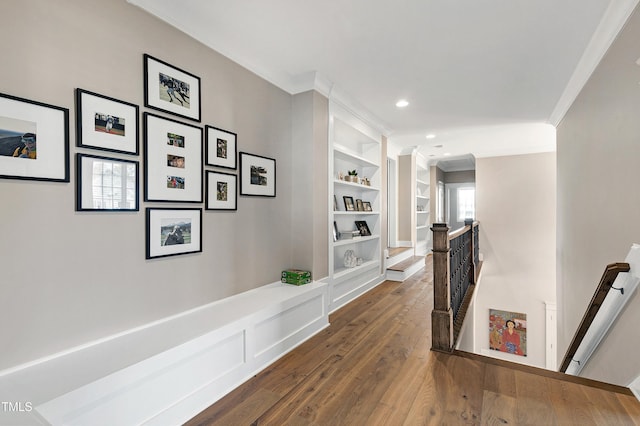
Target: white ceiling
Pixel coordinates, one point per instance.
(488, 77)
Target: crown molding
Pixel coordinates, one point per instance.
(611, 24)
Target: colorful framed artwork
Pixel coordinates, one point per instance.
(508, 332)
(222, 191)
(106, 123)
(106, 184)
(34, 140)
(172, 232)
(171, 89)
(257, 175)
(221, 148)
(173, 160)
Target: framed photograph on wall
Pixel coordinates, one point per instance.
(221, 148)
(508, 332)
(34, 140)
(171, 89)
(106, 184)
(106, 123)
(222, 193)
(171, 232)
(257, 175)
(363, 228)
(173, 160)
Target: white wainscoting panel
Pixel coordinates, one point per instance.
(176, 384)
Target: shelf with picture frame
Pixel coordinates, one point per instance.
(355, 181)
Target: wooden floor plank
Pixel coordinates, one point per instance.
(373, 366)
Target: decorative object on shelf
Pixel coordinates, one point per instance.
(222, 193)
(106, 123)
(367, 206)
(350, 259)
(366, 181)
(171, 232)
(348, 235)
(296, 277)
(106, 184)
(420, 208)
(170, 89)
(220, 147)
(352, 176)
(257, 175)
(359, 205)
(359, 261)
(363, 228)
(348, 203)
(173, 160)
(24, 124)
(341, 176)
(335, 231)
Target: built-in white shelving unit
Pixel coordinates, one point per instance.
(353, 145)
(423, 197)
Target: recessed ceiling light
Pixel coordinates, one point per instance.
(402, 103)
(430, 136)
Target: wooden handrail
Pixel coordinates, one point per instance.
(608, 277)
(462, 230)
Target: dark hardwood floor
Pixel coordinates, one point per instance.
(374, 366)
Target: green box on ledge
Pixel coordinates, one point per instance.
(296, 277)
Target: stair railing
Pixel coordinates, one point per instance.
(455, 271)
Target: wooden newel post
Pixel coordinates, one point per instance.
(442, 315)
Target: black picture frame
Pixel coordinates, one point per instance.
(25, 124)
(363, 228)
(257, 175)
(349, 204)
(105, 123)
(222, 191)
(367, 206)
(164, 82)
(172, 160)
(119, 182)
(173, 231)
(221, 148)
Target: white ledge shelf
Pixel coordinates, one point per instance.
(341, 272)
(356, 240)
(346, 154)
(356, 185)
(354, 213)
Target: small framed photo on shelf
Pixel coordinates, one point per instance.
(173, 160)
(348, 203)
(170, 89)
(106, 184)
(171, 232)
(34, 140)
(106, 123)
(367, 206)
(220, 148)
(359, 205)
(222, 191)
(335, 231)
(257, 175)
(363, 228)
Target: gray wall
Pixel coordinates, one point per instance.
(71, 277)
(516, 204)
(598, 202)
